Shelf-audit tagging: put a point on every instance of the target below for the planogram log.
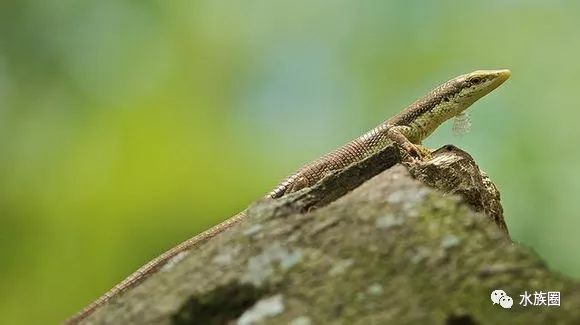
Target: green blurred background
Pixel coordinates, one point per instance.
(128, 126)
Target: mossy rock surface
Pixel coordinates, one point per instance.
(378, 243)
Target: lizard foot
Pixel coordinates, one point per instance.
(412, 153)
(415, 152)
(425, 152)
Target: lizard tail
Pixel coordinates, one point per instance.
(151, 267)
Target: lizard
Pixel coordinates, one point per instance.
(407, 129)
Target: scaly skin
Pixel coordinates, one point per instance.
(408, 129)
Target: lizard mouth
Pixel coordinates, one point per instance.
(503, 75)
(496, 78)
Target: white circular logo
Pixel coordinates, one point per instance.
(506, 302)
(496, 296)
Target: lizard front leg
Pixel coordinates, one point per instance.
(416, 151)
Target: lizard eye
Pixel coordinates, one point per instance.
(476, 80)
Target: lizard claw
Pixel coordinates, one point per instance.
(425, 152)
(413, 154)
(416, 153)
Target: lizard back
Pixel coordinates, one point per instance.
(353, 151)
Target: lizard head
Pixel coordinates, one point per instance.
(449, 100)
(472, 86)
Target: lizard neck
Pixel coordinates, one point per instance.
(423, 118)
